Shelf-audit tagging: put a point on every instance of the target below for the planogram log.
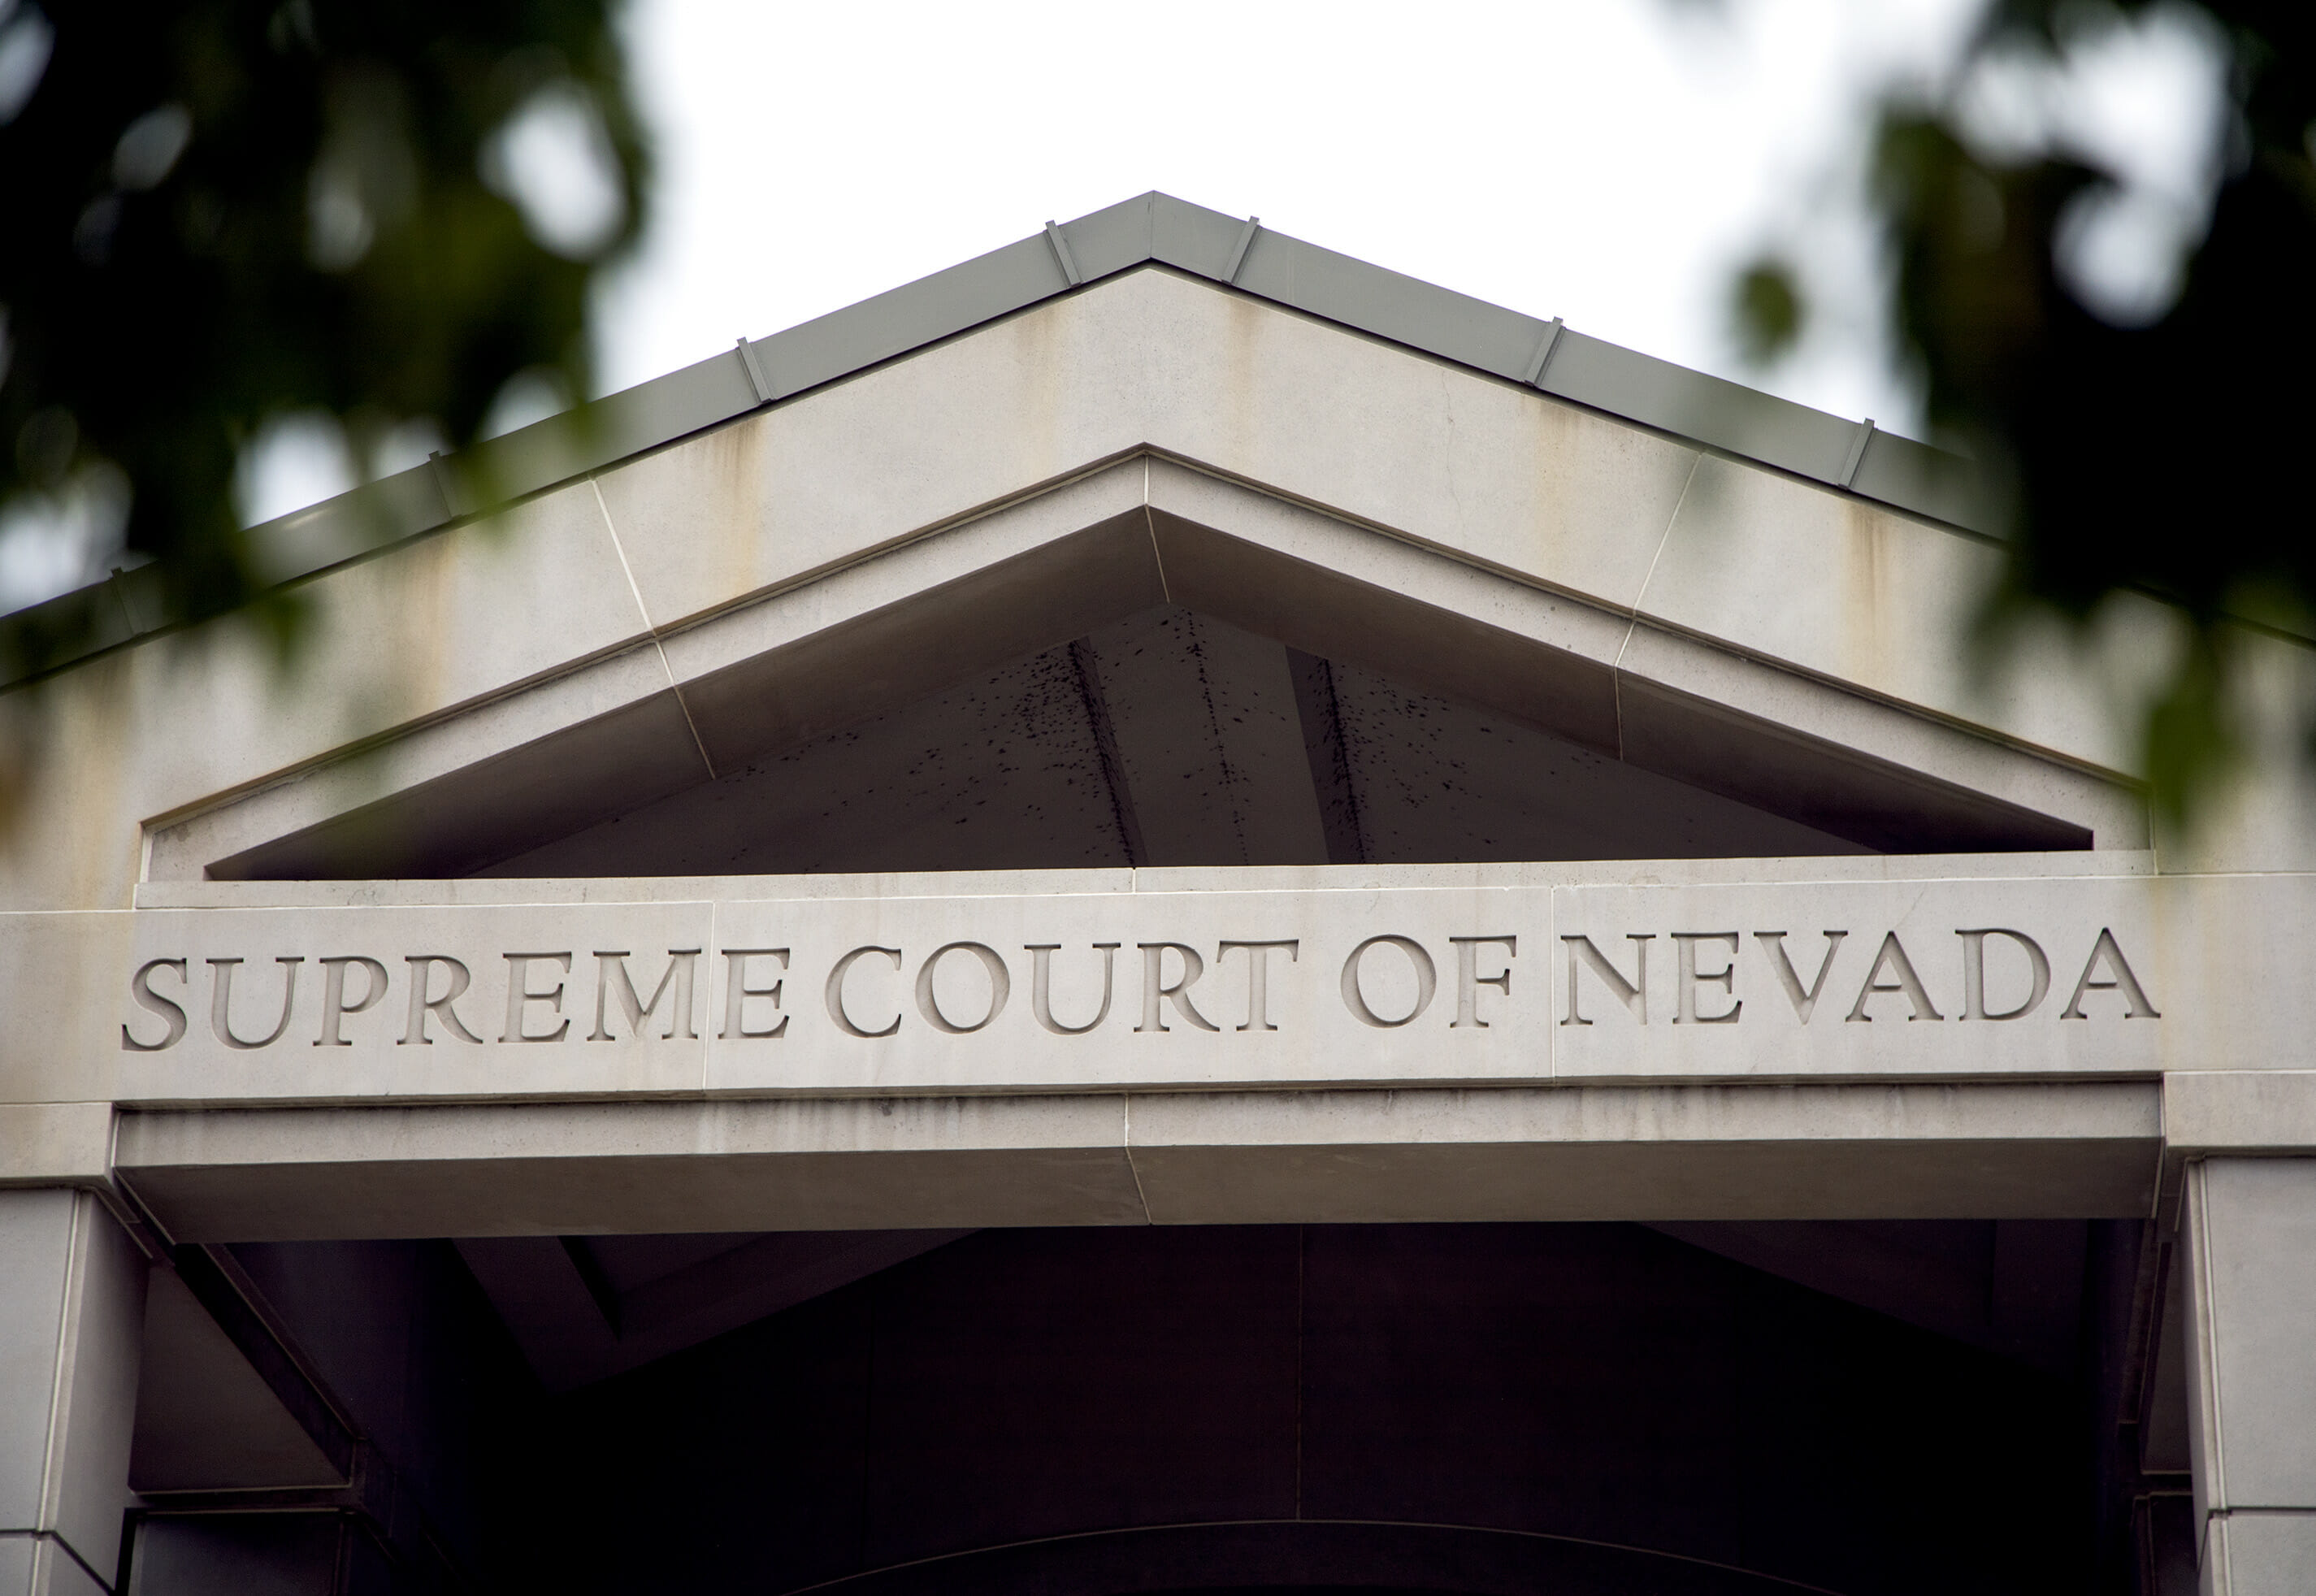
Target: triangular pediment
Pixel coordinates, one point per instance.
(1146, 689)
(1566, 606)
(1170, 738)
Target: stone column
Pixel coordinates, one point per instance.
(72, 1317)
(2250, 1227)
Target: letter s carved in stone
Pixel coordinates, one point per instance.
(173, 1014)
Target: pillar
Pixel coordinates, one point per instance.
(2250, 1227)
(72, 1315)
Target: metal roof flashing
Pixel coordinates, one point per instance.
(1152, 229)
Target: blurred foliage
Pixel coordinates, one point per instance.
(2155, 458)
(1768, 308)
(220, 212)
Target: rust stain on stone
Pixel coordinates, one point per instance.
(1871, 613)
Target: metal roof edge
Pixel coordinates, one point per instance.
(1150, 228)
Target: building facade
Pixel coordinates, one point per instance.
(1163, 914)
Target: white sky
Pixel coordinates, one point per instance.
(1607, 162)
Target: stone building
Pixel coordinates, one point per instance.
(1166, 913)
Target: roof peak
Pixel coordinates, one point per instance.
(1152, 229)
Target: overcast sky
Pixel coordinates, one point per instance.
(1605, 162)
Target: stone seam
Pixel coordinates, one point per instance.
(1633, 616)
(644, 615)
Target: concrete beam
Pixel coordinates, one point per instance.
(1647, 1153)
(1654, 1153)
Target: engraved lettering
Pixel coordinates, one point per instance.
(173, 1015)
(738, 991)
(2135, 1005)
(1973, 974)
(221, 1003)
(1633, 994)
(835, 992)
(1427, 981)
(334, 1007)
(1154, 986)
(1688, 979)
(520, 997)
(612, 980)
(1468, 979)
(1893, 957)
(422, 976)
(1804, 1003)
(1041, 986)
(1001, 987)
(1258, 970)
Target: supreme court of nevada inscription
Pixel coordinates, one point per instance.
(1039, 993)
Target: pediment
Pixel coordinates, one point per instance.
(1522, 560)
(1170, 738)
(1150, 665)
